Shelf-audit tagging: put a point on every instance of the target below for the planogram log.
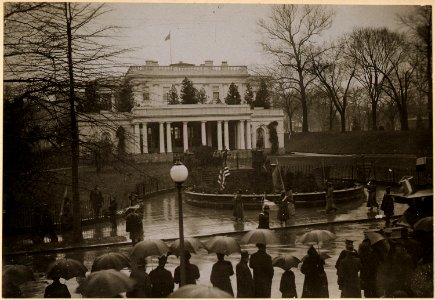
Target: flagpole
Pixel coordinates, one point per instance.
(280, 176)
(170, 47)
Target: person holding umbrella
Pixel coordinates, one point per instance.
(57, 289)
(263, 218)
(134, 225)
(315, 282)
(220, 274)
(261, 264)
(245, 283)
(283, 213)
(192, 271)
(161, 280)
(287, 285)
(142, 287)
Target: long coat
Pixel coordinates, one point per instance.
(263, 220)
(283, 212)
(261, 264)
(192, 273)
(387, 205)
(287, 285)
(220, 276)
(57, 290)
(238, 211)
(162, 282)
(245, 283)
(348, 277)
(315, 282)
(142, 287)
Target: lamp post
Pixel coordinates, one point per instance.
(179, 175)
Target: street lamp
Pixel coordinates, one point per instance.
(179, 175)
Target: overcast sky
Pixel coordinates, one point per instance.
(219, 31)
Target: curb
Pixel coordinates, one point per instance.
(73, 248)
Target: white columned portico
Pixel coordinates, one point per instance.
(219, 135)
(136, 138)
(168, 138)
(203, 134)
(162, 138)
(185, 137)
(248, 135)
(145, 137)
(242, 135)
(226, 136)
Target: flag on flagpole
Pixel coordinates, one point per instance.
(168, 37)
(223, 173)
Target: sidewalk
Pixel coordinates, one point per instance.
(161, 221)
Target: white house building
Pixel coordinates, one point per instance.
(155, 127)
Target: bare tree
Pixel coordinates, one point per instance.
(371, 50)
(334, 75)
(287, 99)
(419, 23)
(289, 34)
(53, 49)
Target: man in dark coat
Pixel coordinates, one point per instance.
(263, 218)
(287, 286)
(348, 278)
(261, 264)
(238, 211)
(47, 224)
(387, 206)
(142, 287)
(161, 280)
(369, 267)
(220, 274)
(134, 225)
(245, 283)
(192, 271)
(57, 290)
(96, 199)
(315, 282)
(343, 253)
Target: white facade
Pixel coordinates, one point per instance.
(153, 126)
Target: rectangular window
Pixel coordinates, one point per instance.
(215, 93)
(165, 94)
(146, 94)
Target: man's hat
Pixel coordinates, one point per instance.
(349, 242)
(260, 245)
(266, 207)
(244, 253)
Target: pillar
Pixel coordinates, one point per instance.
(136, 138)
(185, 137)
(162, 138)
(145, 137)
(226, 135)
(168, 137)
(248, 135)
(209, 134)
(203, 134)
(242, 135)
(219, 135)
(254, 137)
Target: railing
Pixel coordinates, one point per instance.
(154, 69)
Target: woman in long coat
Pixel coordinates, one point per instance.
(315, 282)
(283, 213)
(238, 211)
(220, 274)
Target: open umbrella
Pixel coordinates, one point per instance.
(199, 291)
(263, 236)
(223, 244)
(190, 244)
(111, 260)
(316, 236)
(424, 224)
(17, 274)
(286, 262)
(66, 268)
(149, 248)
(105, 284)
(374, 237)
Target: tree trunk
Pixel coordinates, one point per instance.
(77, 220)
(331, 110)
(374, 121)
(304, 109)
(343, 120)
(429, 79)
(404, 116)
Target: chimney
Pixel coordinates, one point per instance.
(209, 63)
(224, 64)
(149, 62)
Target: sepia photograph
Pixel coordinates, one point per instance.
(217, 150)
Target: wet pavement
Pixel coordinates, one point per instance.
(161, 221)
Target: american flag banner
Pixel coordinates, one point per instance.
(223, 173)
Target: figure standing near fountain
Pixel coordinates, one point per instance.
(263, 218)
(291, 202)
(283, 213)
(371, 201)
(330, 205)
(238, 211)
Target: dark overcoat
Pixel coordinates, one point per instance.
(261, 264)
(220, 276)
(348, 277)
(162, 282)
(315, 282)
(245, 283)
(287, 285)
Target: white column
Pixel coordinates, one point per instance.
(162, 138)
(185, 137)
(226, 135)
(209, 134)
(168, 137)
(242, 134)
(254, 137)
(203, 134)
(248, 135)
(145, 137)
(237, 135)
(136, 138)
(219, 135)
